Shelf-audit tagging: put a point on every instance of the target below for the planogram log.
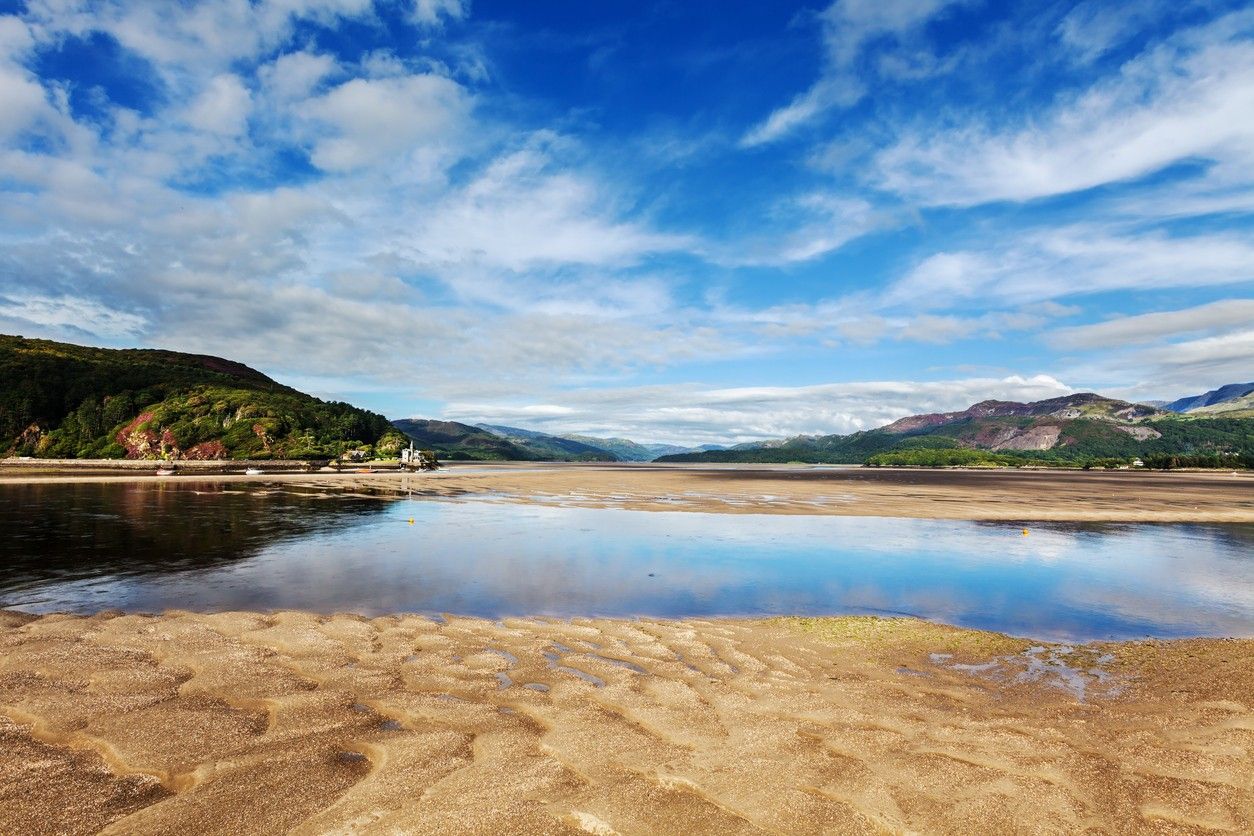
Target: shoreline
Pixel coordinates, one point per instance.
(256, 723)
(976, 494)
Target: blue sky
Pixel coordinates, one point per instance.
(677, 221)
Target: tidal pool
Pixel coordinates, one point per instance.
(200, 546)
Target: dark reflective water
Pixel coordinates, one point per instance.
(150, 547)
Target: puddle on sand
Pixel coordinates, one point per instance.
(391, 725)
(1077, 672)
(537, 686)
(687, 664)
(351, 758)
(911, 671)
(554, 661)
(503, 680)
(504, 654)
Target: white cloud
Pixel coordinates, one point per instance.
(1073, 261)
(1188, 99)
(1093, 28)
(222, 107)
(22, 101)
(1168, 370)
(818, 223)
(70, 314)
(432, 12)
(294, 75)
(374, 120)
(847, 27)
(1144, 328)
(525, 210)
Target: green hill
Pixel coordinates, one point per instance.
(59, 400)
(1073, 430)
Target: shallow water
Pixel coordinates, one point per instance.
(150, 547)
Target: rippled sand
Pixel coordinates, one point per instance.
(249, 723)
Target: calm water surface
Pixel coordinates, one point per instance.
(150, 547)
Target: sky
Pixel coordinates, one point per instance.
(684, 221)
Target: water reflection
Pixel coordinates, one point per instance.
(58, 532)
(85, 547)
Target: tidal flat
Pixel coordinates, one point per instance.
(138, 714)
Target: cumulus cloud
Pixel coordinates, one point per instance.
(371, 121)
(222, 107)
(295, 75)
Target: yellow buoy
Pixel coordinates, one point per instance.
(411, 522)
(1025, 532)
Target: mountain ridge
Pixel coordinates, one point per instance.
(1083, 425)
(1230, 397)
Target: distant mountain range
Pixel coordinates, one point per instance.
(454, 441)
(1233, 398)
(1073, 428)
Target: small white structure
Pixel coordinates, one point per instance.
(1138, 463)
(418, 459)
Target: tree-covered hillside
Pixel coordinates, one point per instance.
(59, 400)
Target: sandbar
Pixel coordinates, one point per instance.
(247, 723)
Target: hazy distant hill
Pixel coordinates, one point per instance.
(59, 400)
(543, 446)
(1235, 397)
(1070, 428)
(627, 450)
(451, 440)
(497, 441)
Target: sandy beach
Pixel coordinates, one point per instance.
(1045, 495)
(247, 722)
(250, 723)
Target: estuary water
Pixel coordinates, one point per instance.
(203, 546)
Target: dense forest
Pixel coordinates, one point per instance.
(59, 400)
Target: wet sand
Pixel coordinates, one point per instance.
(247, 723)
(1028, 495)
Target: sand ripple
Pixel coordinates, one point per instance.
(293, 722)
